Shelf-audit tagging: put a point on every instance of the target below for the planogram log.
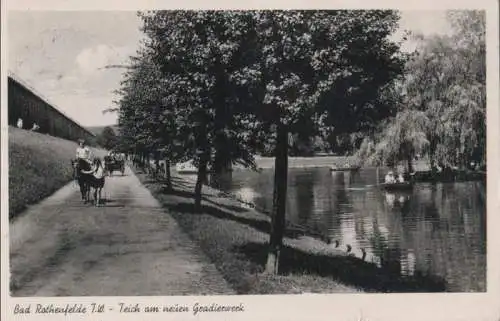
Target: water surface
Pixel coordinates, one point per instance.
(436, 229)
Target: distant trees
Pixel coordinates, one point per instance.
(107, 138)
(442, 99)
(219, 86)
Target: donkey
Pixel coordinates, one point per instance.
(96, 179)
(80, 165)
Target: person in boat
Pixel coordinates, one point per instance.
(389, 178)
(401, 179)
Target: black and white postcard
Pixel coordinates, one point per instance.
(315, 160)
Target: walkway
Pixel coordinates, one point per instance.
(128, 247)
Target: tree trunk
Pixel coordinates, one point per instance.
(202, 175)
(204, 153)
(219, 181)
(432, 156)
(409, 156)
(223, 119)
(410, 165)
(222, 159)
(157, 165)
(168, 174)
(279, 200)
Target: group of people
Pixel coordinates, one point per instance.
(112, 156)
(20, 125)
(390, 178)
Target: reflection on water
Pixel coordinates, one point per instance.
(437, 230)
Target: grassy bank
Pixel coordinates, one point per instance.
(235, 239)
(38, 166)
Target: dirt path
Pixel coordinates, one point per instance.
(62, 247)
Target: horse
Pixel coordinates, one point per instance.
(97, 183)
(82, 178)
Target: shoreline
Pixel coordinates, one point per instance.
(238, 248)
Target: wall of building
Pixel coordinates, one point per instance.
(24, 103)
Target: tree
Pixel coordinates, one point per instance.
(402, 138)
(447, 81)
(146, 117)
(107, 138)
(248, 81)
(323, 69)
(205, 56)
(441, 99)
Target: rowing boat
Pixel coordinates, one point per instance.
(397, 186)
(344, 169)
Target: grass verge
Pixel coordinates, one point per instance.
(38, 166)
(235, 239)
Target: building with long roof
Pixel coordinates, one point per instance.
(27, 104)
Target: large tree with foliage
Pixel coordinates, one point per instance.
(207, 57)
(443, 97)
(322, 70)
(241, 81)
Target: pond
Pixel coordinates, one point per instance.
(435, 229)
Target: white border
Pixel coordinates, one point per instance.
(380, 307)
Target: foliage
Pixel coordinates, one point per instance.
(403, 138)
(107, 138)
(445, 89)
(139, 119)
(323, 73)
(240, 82)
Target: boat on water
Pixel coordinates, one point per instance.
(399, 186)
(344, 168)
(186, 168)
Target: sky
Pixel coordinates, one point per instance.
(61, 54)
